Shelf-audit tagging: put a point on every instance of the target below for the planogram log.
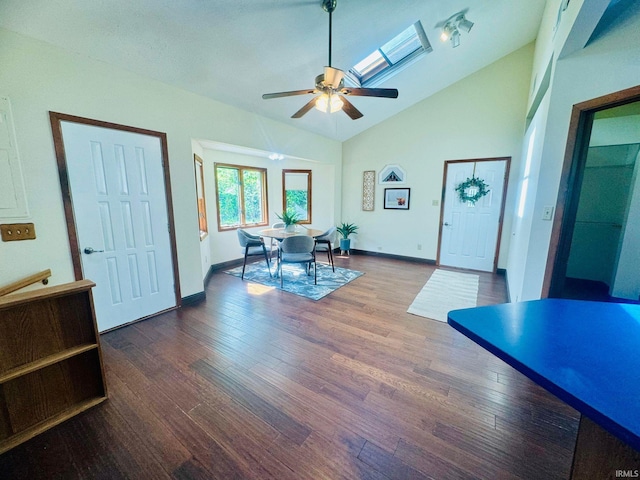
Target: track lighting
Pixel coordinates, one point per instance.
(452, 27)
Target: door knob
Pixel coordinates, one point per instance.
(89, 251)
(447, 224)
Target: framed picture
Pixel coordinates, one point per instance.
(392, 174)
(396, 198)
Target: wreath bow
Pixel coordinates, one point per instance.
(472, 190)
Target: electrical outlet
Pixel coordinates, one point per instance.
(419, 246)
(435, 203)
(17, 231)
(547, 212)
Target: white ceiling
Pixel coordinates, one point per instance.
(236, 50)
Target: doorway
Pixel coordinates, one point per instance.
(469, 235)
(117, 199)
(595, 237)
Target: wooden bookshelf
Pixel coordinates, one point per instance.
(50, 360)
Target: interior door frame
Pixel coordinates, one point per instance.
(505, 184)
(575, 159)
(56, 120)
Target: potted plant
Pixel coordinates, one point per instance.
(345, 230)
(289, 219)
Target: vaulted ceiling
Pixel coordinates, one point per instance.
(236, 50)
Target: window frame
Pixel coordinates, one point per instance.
(309, 192)
(264, 197)
(376, 76)
(200, 194)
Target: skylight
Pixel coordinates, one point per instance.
(393, 56)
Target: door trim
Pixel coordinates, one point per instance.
(505, 184)
(571, 182)
(61, 158)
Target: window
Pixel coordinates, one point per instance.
(392, 57)
(241, 193)
(296, 193)
(202, 204)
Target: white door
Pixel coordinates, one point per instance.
(119, 203)
(469, 233)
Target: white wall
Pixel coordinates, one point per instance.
(39, 78)
(601, 212)
(608, 64)
(481, 116)
(626, 282)
(205, 243)
(325, 199)
(527, 179)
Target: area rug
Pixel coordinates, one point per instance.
(296, 279)
(443, 292)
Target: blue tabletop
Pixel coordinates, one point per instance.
(585, 353)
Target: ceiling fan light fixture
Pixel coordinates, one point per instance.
(329, 103)
(331, 87)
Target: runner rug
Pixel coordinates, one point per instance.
(443, 292)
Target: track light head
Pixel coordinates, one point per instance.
(464, 24)
(455, 38)
(453, 26)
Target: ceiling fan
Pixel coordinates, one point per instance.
(330, 86)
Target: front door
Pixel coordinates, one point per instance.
(119, 204)
(469, 233)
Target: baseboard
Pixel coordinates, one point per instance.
(428, 261)
(193, 299)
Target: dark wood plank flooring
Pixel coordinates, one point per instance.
(258, 383)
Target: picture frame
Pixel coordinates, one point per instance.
(396, 198)
(392, 175)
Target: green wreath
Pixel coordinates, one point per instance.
(478, 188)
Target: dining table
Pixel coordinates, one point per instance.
(282, 233)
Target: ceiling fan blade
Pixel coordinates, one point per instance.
(350, 110)
(333, 76)
(267, 96)
(371, 92)
(308, 106)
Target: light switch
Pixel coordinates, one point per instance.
(17, 231)
(547, 212)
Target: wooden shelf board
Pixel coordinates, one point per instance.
(38, 428)
(13, 299)
(45, 362)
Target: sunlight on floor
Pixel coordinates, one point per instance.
(258, 289)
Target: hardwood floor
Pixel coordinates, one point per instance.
(258, 383)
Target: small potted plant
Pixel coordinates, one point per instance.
(345, 230)
(290, 219)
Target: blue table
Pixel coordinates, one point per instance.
(585, 353)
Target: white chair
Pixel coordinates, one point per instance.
(298, 249)
(252, 245)
(323, 244)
